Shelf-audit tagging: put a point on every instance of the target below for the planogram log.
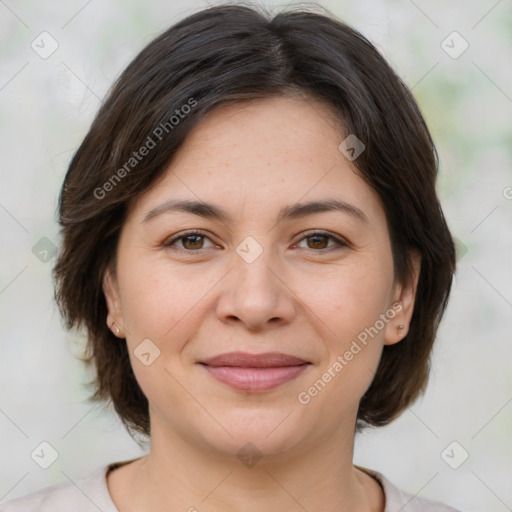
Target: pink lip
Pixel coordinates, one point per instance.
(254, 372)
(254, 380)
(246, 360)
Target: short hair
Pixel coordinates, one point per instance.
(229, 54)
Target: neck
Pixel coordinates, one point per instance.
(178, 475)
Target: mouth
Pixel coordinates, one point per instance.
(254, 373)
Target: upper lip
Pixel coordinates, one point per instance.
(246, 360)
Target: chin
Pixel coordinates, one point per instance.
(256, 432)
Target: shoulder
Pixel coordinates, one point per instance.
(396, 499)
(83, 495)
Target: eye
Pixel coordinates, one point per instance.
(193, 241)
(319, 239)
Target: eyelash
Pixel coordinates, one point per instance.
(169, 242)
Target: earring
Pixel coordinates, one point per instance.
(116, 328)
(400, 326)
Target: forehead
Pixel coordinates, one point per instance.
(257, 156)
(276, 127)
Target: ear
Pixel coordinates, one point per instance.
(403, 304)
(115, 318)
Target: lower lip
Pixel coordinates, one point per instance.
(254, 380)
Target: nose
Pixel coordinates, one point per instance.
(256, 294)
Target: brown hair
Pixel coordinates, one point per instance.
(228, 54)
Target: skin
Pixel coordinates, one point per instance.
(302, 296)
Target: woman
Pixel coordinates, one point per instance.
(253, 242)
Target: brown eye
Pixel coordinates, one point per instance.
(192, 241)
(319, 241)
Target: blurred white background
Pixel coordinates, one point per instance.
(46, 107)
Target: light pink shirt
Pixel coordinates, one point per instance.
(92, 495)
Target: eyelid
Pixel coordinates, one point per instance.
(340, 241)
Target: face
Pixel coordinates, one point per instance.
(316, 284)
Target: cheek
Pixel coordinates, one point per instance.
(353, 296)
(162, 301)
(351, 309)
(148, 301)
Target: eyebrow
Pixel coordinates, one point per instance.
(290, 212)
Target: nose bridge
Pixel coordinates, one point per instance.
(253, 271)
(256, 293)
